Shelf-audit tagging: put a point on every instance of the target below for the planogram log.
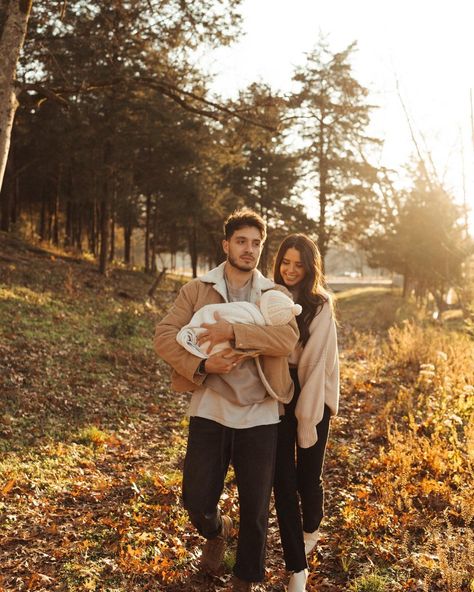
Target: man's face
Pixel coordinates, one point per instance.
(244, 248)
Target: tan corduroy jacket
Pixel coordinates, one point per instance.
(273, 344)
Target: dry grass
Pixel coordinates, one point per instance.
(413, 511)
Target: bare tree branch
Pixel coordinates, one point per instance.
(47, 93)
(413, 137)
(197, 104)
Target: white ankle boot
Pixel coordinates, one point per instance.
(310, 540)
(297, 581)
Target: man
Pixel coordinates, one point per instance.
(232, 418)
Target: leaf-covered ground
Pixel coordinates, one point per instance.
(92, 444)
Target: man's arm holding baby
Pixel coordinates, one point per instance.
(276, 341)
(268, 340)
(183, 362)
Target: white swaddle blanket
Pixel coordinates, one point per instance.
(234, 312)
(275, 308)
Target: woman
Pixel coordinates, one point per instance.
(304, 428)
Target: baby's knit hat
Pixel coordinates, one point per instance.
(278, 308)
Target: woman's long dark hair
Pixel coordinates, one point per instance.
(312, 294)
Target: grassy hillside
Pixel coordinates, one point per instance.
(92, 443)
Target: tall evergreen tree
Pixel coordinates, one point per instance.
(333, 114)
(261, 172)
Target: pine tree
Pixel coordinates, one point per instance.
(332, 119)
(261, 172)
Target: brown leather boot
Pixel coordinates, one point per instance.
(239, 585)
(214, 549)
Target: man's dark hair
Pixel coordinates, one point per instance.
(244, 217)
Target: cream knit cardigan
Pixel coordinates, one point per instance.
(318, 374)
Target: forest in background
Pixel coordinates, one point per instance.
(116, 132)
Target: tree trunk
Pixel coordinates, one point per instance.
(5, 207)
(49, 222)
(11, 42)
(154, 240)
(55, 218)
(105, 211)
(156, 283)
(322, 236)
(112, 237)
(193, 249)
(147, 233)
(7, 198)
(42, 221)
(91, 228)
(322, 173)
(97, 226)
(104, 232)
(70, 209)
(127, 242)
(68, 225)
(57, 190)
(78, 227)
(112, 220)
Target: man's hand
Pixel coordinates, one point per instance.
(223, 362)
(217, 332)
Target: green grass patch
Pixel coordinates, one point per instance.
(374, 309)
(370, 583)
(51, 468)
(92, 435)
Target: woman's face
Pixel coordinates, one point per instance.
(291, 268)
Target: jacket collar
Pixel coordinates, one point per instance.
(216, 277)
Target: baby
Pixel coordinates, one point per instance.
(274, 308)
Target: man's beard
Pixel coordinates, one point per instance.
(251, 265)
